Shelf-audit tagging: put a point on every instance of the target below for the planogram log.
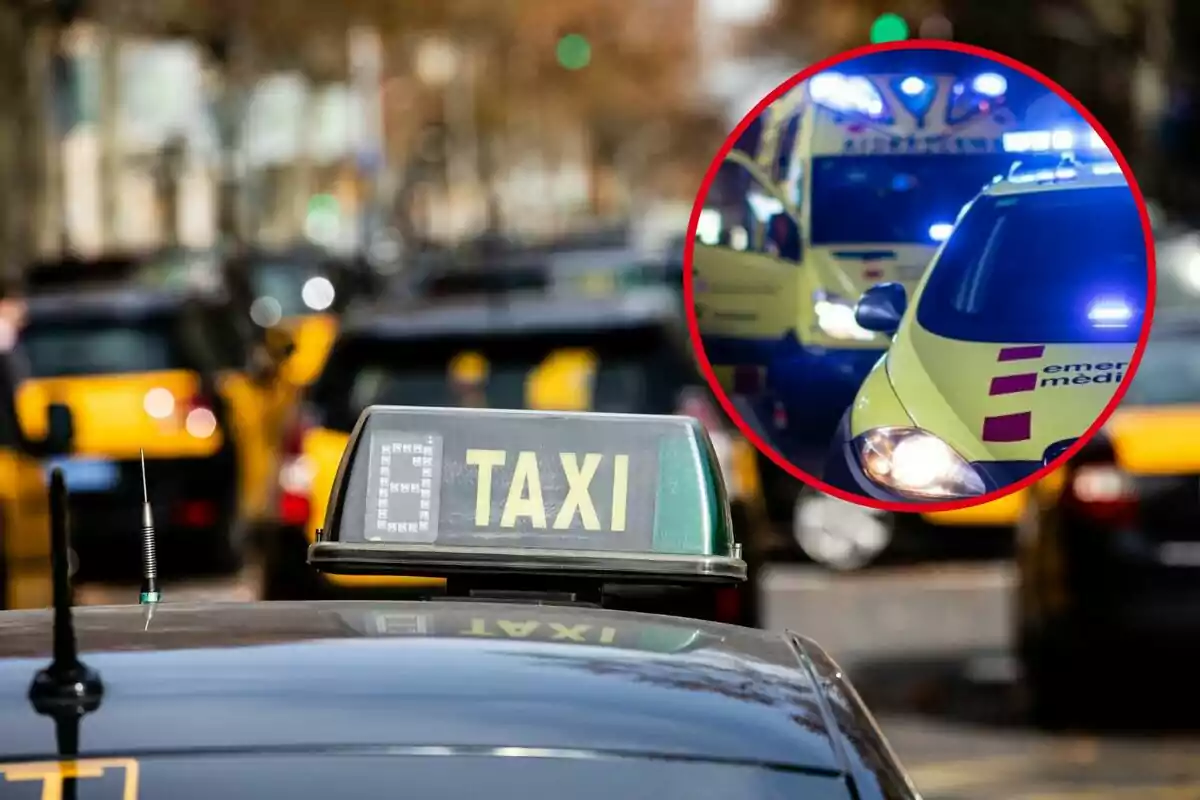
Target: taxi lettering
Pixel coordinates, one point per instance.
(120, 774)
(552, 631)
(1083, 373)
(524, 499)
(937, 143)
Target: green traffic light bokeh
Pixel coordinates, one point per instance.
(574, 51)
(889, 28)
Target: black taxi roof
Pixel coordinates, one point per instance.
(320, 675)
(532, 311)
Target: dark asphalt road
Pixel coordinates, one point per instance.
(928, 650)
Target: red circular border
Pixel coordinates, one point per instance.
(690, 246)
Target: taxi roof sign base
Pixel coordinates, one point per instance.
(370, 558)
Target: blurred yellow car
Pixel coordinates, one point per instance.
(25, 580)
(622, 353)
(168, 374)
(299, 290)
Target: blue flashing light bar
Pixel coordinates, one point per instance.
(1060, 141)
(849, 94)
(1110, 312)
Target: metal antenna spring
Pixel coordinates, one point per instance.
(150, 592)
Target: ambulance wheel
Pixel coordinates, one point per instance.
(837, 534)
(286, 574)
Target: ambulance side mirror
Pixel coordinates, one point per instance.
(881, 308)
(60, 429)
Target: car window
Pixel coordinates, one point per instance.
(1168, 375)
(1035, 267)
(628, 370)
(62, 348)
(296, 289)
(741, 213)
(894, 199)
(211, 333)
(307, 776)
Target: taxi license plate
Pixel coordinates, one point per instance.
(86, 474)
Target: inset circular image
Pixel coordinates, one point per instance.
(920, 276)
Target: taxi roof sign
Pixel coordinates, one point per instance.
(457, 491)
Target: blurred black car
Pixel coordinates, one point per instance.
(1109, 545)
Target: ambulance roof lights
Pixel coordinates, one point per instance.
(1068, 170)
(482, 495)
(1060, 140)
(1110, 312)
(848, 94)
(989, 84)
(912, 86)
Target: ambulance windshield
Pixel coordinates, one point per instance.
(1033, 268)
(894, 199)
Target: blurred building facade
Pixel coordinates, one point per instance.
(137, 118)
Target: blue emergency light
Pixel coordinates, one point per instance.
(940, 231)
(989, 84)
(1110, 312)
(1063, 140)
(848, 94)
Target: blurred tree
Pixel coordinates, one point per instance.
(23, 181)
(809, 30)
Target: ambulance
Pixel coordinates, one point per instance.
(852, 179)
(1012, 345)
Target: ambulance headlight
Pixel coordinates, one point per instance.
(917, 464)
(835, 318)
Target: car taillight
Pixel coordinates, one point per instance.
(1103, 493)
(779, 416)
(295, 475)
(729, 605)
(199, 418)
(194, 514)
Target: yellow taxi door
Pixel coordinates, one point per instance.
(24, 516)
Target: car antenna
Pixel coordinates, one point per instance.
(67, 689)
(150, 593)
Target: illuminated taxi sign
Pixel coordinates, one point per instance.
(443, 491)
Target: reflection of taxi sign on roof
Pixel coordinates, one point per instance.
(449, 492)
